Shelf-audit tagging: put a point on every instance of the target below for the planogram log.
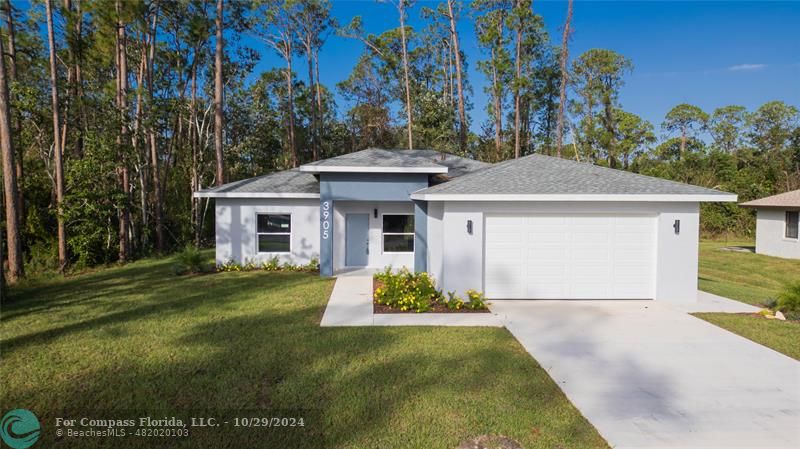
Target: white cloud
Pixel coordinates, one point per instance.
(742, 67)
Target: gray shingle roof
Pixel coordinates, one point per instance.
(457, 165)
(287, 181)
(374, 157)
(538, 174)
(786, 199)
(295, 181)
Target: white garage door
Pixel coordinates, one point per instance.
(570, 257)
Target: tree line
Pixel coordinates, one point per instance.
(113, 112)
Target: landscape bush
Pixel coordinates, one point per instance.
(271, 264)
(188, 261)
(417, 292)
(789, 301)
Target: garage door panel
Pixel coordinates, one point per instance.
(570, 257)
(590, 239)
(590, 290)
(544, 290)
(632, 239)
(552, 273)
(546, 239)
(551, 254)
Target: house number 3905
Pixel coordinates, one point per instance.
(326, 219)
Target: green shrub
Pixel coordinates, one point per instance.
(188, 261)
(453, 301)
(272, 264)
(406, 291)
(385, 275)
(770, 303)
(417, 292)
(476, 300)
(789, 301)
(229, 265)
(312, 265)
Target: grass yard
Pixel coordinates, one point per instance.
(746, 277)
(782, 336)
(750, 278)
(137, 341)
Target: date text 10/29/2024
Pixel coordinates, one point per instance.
(168, 426)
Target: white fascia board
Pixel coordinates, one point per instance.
(376, 169)
(254, 195)
(687, 198)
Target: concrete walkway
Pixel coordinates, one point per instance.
(649, 375)
(350, 304)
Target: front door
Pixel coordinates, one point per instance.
(356, 252)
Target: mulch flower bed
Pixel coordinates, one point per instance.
(436, 307)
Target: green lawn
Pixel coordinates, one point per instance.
(746, 277)
(138, 341)
(750, 278)
(782, 336)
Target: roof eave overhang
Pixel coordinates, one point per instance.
(357, 169)
(655, 198)
(770, 206)
(255, 195)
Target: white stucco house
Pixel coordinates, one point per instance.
(536, 227)
(777, 224)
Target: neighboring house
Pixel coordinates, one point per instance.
(777, 224)
(533, 227)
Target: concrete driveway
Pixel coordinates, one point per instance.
(648, 375)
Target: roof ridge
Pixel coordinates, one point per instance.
(620, 170)
(539, 173)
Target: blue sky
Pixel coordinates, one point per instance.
(706, 53)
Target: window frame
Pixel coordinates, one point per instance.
(796, 224)
(412, 233)
(258, 249)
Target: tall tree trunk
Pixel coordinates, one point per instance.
(402, 11)
(462, 114)
(135, 139)
(498, 112)
(81, 110)
(16, 121)
(218, 96)
(318, 87)
(314, 127)
(122, 140)
(320, 112)
(517, 82)
(70, 63)
(608, 115)
(153, 140)
(193, 139)
(59, 164)
(16, 268)
(564, 80)
(290, 101)
(2, 274)
(683, 142)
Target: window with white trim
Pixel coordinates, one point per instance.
(274, 233)
(792, 217)
(398, 233)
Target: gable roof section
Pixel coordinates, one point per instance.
(374, 160)
(283, 184)
(787, 199)
(297, 183)
(544, 178)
